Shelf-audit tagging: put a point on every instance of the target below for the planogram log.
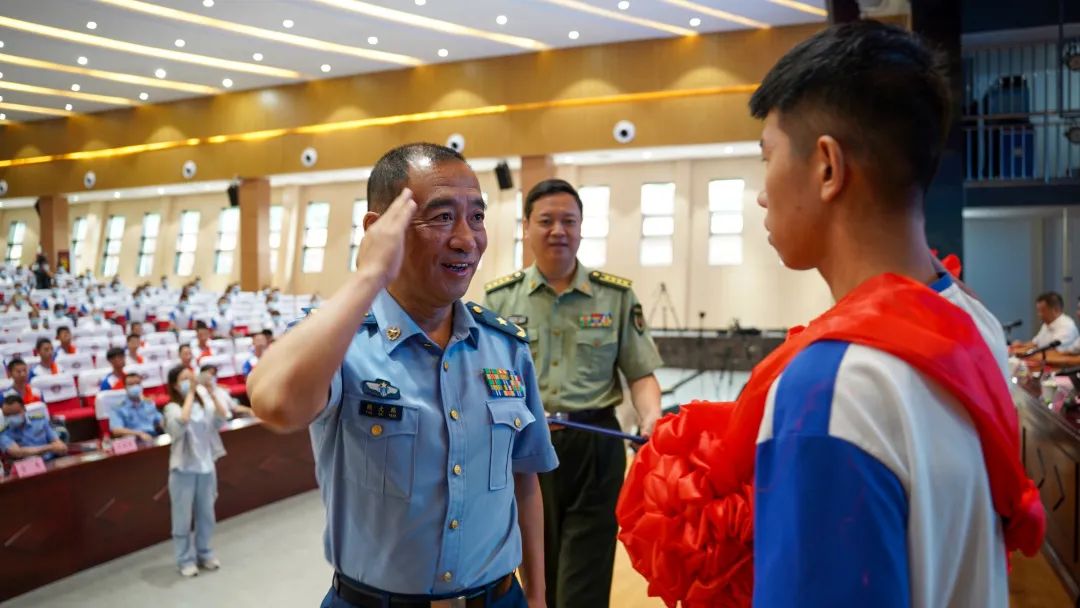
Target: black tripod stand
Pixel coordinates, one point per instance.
(662, 301)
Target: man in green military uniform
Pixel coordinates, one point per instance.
(584, 326)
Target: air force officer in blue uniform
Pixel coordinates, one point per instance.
(424, 411)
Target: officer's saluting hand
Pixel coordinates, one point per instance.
(424, 411)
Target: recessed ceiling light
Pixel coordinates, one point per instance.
(729, 149)
(373, 40)
(75, 87)
(624, 5)
(162, 190)
(74, 199)
(208, 3)
(1, 44)
(695, 22)
(160, 73)
(443, 52)
(91, 25)
(1, 98)
(116, 195)
(68, 107)
(574, 35)
(325, 67)
(287, 24)
(501, 19)
(82, 60)
(227, 83)
(257, 57)
(180, 43)
(144, 96)
(421, 2)
(1, 74)
(3, 116)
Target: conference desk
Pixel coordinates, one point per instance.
(93, 507)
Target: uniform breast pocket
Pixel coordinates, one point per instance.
(596, 349)
(390, 451)
(508, 418)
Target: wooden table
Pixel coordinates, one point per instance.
(91, 508)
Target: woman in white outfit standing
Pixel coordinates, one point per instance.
(192, 419)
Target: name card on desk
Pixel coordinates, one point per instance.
(28, 467)
(124, 445)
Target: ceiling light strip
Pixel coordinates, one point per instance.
(145, 81)
(149, 51)
(802, 6)
(438, 25)
(383, 121)
(620, 16)
(719, 14)
(36, 90)
(264, 34)
(18, 107)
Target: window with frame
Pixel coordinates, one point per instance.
(114, 240)
(277, 214)
(316, 224)
(186, 242)
(151, 224)
(16, 234)
(595, 202)
(726, 222)
(228, 227)
(78, 241)
(359, 210)
(657, 224)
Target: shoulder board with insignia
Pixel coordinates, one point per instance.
(501, 282)
(610, 280)
(491, 319)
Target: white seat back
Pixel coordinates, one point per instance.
(90, 381)
(55, 387)
(150, 372)
(75, 364)
(224, 364)
(106, 401)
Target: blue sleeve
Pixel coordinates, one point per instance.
(533, 451)
(830, 521)
(50, 433)
(6, 441)
(116, 419)
(246, 369)
(104, 384)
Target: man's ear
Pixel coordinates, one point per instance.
(369, 219)
(831, 167)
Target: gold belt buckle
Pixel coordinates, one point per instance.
(454, 602)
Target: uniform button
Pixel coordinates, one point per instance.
(376, 430)
(454, 525)
(446, 366)
(554, 364)
(447, 576)
(454, 414)
(517, 423)
(457, 469)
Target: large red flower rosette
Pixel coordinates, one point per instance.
(685, 520)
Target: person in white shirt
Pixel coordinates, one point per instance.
(1056, 325)
(222, 321)
(96, 320)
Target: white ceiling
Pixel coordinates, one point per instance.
(547, 22)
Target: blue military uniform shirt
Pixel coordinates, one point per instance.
(142, 416)
(35, 432)
(416, 449)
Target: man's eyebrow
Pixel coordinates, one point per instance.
(438, 203)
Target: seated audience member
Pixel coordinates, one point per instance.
(18, 302)
(135, 416)
(164, 283)
(222, 321)
(25, 436)
(138, 309)
(133, 345)
(60, 316)
(29, 334)
(182, 318)
(47, 366)
(19, 373)
(55, 299)
(316, 300)
(67, 347)
(96, 320)
(275, 322)
(1056, 325)
(202, 342)
(259, 343)
(187, 358)
(137, 330)
(208, 377)
(115, 380)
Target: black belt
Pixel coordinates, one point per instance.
(590, 416)
(363, 596)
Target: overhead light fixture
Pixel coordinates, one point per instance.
(501, 20)
(208, 3)
(74, 94)
(574, 34)
(144, 96)
(111, 76)
(162, 190)
(91, 25)
(373, 40)
(82, 61)
(695, 21)
(287, 24)
(257, 56)
(719, 14)
(438, 25)
(264, 34)
(802, 6)
(617, 16)
(149, 51)
(160, 73)
(1, 44)
(68, 107)
(227, 83)
(18, 107)
(325, 68)
(624, 5)
(75, 87)
(116, 195)
(180, 43)
(443, 53)
(421, 2)
(3, 116)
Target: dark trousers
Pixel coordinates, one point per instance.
(579, 516)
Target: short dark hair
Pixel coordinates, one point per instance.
(41, 341)
(133, 337)
(115, 351)
(207, 367)
(391, 173)
(13, 398)
(267, 333)
(182, 347)
(876, 89)
(172, 377)
(1052, 299)
(201, 325)
(16, 361)
(132, 374)
(61, 329)
(547, 188)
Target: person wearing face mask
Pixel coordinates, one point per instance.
(274, 322)
(96, 320)
(43, 278)
(47, 366)
(54, 300)
(18, 303)
(25, 436)
(135, 416)
(30, 334)
(192, 419)
(222, 321)
(137, 310)
(182, 318)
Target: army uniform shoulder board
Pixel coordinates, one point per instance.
(506, 281)
(491, 319)
(610, 280)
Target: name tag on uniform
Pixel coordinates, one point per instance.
(596, 320)
(380, 410)
(503, 383)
